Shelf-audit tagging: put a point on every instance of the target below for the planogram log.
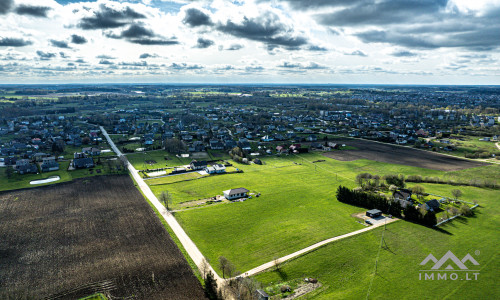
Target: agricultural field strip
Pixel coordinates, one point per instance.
(188, 244)
(408, 147)
(280, 260)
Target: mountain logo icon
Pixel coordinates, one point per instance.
(449, 256)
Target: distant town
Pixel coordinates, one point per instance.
(247, 191)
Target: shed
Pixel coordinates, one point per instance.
(374, 213)
(261, 295)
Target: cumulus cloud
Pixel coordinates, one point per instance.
(381, 12)
(5, 6)
(266, 28)
(300, 66)
(356, 53)
(185, 66)
(59, 44)
(138, 34)
(107, 17)
(147, 55)
(14, 42)
(234, 47)
(104, 56)
(45, 55)
(78, 39)
(35, 11)
(403, 53)
(195, 17)
(152, 42)
(204, 43)
(106, 62)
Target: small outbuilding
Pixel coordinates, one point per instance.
(374, 213)
(261, 295)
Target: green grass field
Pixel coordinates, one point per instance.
(138, 160)
(347, 267)
(297, 206)
(18, 181)
(469, 145)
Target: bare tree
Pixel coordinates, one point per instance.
(166, 198)
(204, 268)
(456, 193)
(277, 264)
(419, 191)
(226, 267)
(124, 161)
(223, 262)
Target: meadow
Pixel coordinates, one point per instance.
(297, 206)
(346, 268)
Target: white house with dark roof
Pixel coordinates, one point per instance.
(236, 193)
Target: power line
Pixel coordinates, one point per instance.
(382, 241)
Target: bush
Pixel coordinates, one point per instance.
(466, 211)
(397, 180)
(285, 288)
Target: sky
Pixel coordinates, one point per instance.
(250, 41)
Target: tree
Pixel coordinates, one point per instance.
(456, 193)
(166, 198)
(9, 171)
(123, 161)
(174, 145)
(211, 287)
(419, 191)
(359, 179)
(226, 266)
(466, 211)
(277, 264)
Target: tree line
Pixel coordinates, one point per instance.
(371, 201)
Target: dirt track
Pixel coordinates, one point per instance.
(69, 240)
(400, 155)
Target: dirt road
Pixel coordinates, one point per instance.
(271, 264)
(188, 244)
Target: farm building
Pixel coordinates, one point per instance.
(235, 193)
(374, 213)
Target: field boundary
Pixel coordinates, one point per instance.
(409, 147)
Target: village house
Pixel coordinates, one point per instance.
(24, 166)
(198, 165)
(236, 193)
(91, 151)
(49, 164)
(81, 160)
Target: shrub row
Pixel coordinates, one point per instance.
(371, 201)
